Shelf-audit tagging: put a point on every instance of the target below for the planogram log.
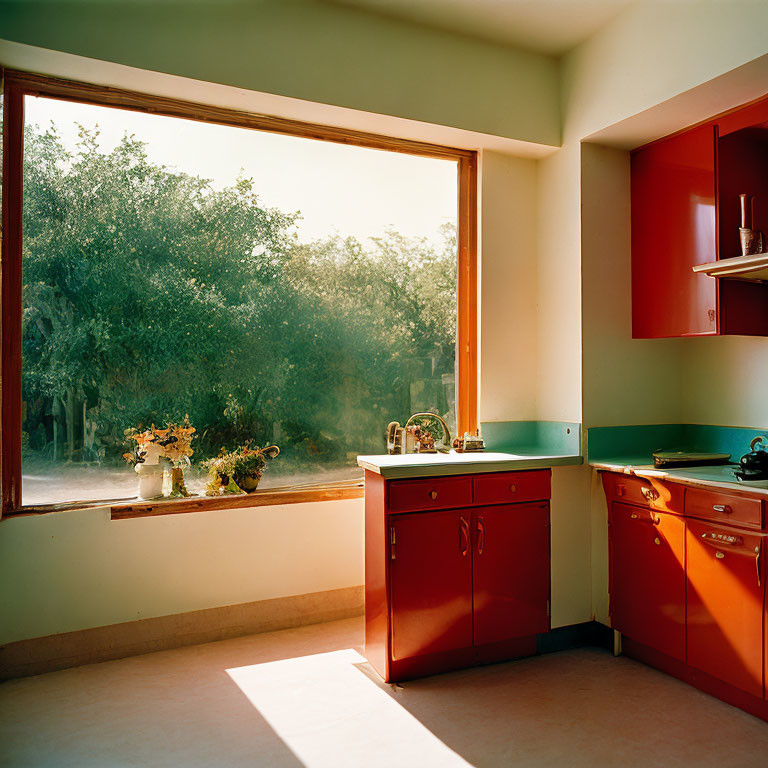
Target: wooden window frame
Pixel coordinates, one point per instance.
(16, 86)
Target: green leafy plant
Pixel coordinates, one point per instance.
(237, 471)
(143, 290)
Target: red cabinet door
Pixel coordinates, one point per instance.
(673, 228)
(510, 571)
(725, 604)
(430, 572)
(647, 577)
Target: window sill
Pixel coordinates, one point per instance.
(266, 498)
(125, 509)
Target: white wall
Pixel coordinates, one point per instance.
(571, 546)
(654, 51)
(508, 279)
(559, 336)
(626, 380)
(726, 381)
(311, 50)
(75, 570)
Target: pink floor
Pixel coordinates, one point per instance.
(305, 697)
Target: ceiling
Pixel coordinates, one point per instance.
(547, 26)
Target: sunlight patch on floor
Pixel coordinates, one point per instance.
(329, 713)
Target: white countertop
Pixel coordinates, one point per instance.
(439, 464)
(720, 477)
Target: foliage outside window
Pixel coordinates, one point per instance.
(151, 293)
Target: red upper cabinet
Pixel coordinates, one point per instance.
(685, 212)
(673, 228)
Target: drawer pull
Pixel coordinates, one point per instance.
(650, 494)
(512, 488)
(433, 495)
(719, 555)
(657, 541)
(712, 537)
(722, 508)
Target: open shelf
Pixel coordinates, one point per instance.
(752, 267)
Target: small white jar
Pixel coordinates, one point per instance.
(150, 480)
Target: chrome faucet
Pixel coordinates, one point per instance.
(408, 439)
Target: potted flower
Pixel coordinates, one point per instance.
(176, 440)
(237, 471)
(146, 457)
(157, 449)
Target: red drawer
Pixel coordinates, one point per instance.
(430, 493)
(647, 491)
(512, 487)
(724, 507)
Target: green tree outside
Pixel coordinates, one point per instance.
(149, 294)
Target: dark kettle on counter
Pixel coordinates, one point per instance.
(753, 465)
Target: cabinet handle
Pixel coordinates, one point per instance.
(722, 508)
(463, 537)
(433, 495)
(512, 488)
(719, 539)
(392, 540)
(757, 565)
(480, 535)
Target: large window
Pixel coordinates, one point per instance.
(269, 287)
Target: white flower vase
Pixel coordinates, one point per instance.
(150, 480)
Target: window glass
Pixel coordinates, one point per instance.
(270, 289)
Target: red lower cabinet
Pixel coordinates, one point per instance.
(450, 587)
(647, 577)
(431, 583)
(688, 590)
(725, 605)
(510, 572)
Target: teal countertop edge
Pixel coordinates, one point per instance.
(633, 445)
